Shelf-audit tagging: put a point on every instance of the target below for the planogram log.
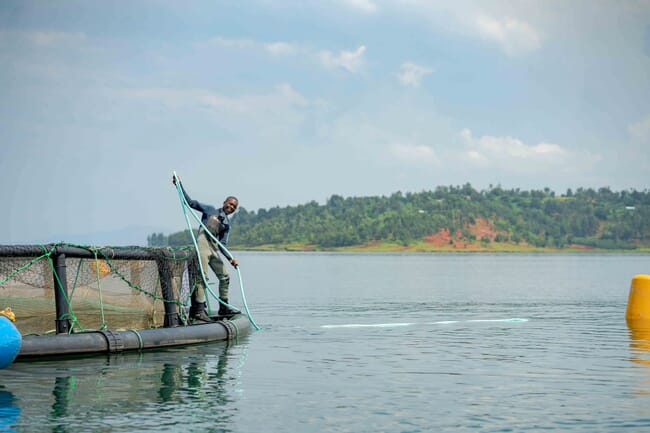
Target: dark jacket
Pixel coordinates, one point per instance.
(215, 219)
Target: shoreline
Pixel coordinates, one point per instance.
(428, 248)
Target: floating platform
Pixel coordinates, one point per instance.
(96, 342)
(103, 300)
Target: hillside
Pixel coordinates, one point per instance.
(449, 219)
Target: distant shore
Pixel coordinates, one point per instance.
(425, 247)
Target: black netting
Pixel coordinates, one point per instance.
(107, 287)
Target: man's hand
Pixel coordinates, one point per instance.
(234, 262)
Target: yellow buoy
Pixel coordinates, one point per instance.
(100, 267)
(8, 314)
(638, 303)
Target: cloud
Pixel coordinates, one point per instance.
(352, 61)
(411, 74)
(640, 131)
(283, 96)
(48, 39)
(280, 48)
(513, 155)
(365, 6)
(233, 43)
(44, 39)
(515, 27)
(413, 153)
(514, 36)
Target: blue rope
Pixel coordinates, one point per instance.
(185, 206)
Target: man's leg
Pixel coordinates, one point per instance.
(199, 305)
(219, 268)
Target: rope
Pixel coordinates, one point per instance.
(99, 288)
(148, 284)
(25, 266)
(73, 319)
(243, 297)
(140, 344)
(185, 206)
(76, 278)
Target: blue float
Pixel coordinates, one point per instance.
(10, 341)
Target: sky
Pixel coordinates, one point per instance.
(284, 102)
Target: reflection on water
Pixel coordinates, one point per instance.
(62, 387)
(365, 343)
(9, 410)
(640, 351)
(168, 387)
(639, 341)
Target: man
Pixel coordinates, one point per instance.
(217, 222)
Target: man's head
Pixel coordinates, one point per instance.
(230, 205)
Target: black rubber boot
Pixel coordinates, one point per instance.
(200, 313)
(225, 311)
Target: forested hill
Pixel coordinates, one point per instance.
(449, 218)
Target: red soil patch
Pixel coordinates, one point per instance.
(481, 228)
(440, 239)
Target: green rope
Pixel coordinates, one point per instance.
(114, 269)
(49, 251)
(76, 278)
(99, 288)
(22, 268)
(185, 206)
(140, 344)
(70, 315)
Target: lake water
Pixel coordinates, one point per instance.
(377, 343)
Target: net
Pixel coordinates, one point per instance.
(74, 288)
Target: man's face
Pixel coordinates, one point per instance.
(230, 205)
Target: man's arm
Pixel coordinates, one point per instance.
(224, 241)
(192, 203)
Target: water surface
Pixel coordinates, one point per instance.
(377, 343)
